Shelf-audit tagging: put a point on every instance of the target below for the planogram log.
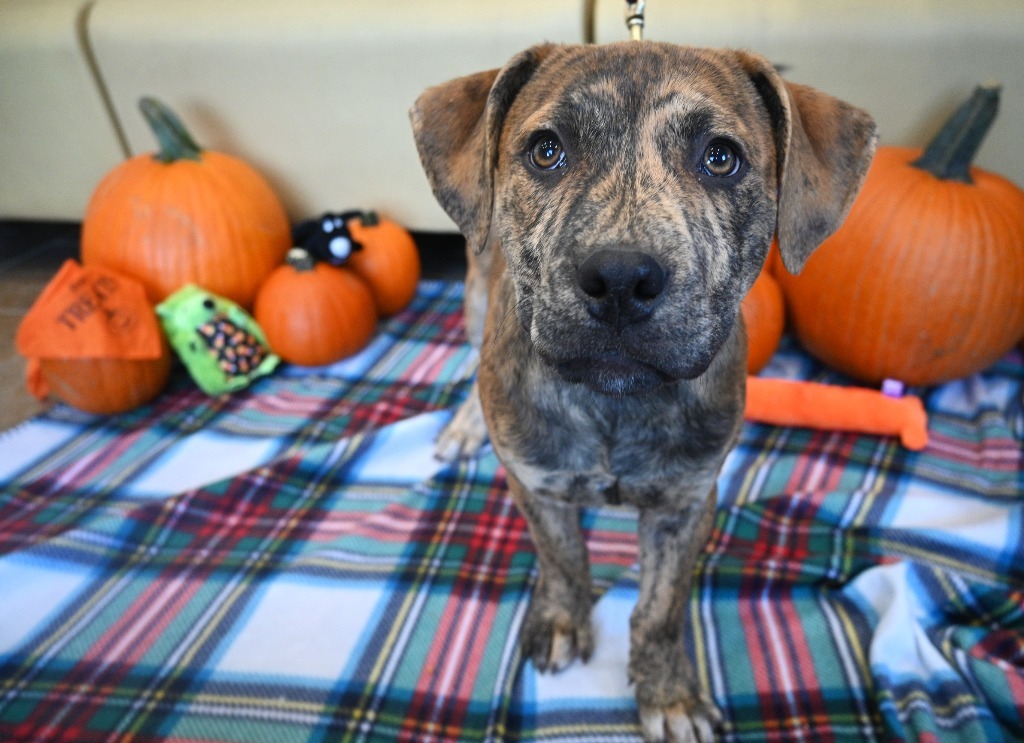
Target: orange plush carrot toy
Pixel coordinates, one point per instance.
(811, 405)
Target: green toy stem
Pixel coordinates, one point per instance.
(951, 152)
(174, 140)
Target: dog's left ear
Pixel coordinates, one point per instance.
(824, 147)
(457, 126)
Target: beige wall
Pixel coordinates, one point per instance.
(57, 138)
(315, 92)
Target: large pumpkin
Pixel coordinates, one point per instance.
(924, 282)
(313, 313)
(186, 216)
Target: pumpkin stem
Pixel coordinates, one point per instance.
(300, 259)
(369, 218)
(175, 141)
(950, 154)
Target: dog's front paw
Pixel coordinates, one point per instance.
(465, 433)
(552, 639)
(686, 721)
(672, 709)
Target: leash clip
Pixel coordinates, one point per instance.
(635, 19)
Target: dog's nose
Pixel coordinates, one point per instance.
(620, 286)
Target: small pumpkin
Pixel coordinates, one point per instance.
(313, 313)
(186, 215)
(924, 282)
(764, 315)
(105, 386)
(387, 260)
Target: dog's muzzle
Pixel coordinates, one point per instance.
(626, 335)
(619, 290)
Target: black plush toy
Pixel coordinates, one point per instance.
(327, 237)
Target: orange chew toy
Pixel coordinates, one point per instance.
(821, 406)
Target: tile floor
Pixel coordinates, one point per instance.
(31, 253)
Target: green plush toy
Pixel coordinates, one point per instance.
(220, 344)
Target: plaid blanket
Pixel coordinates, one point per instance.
(290, 563)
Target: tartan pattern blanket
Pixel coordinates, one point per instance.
(289, 563)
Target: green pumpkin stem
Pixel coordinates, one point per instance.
(369, 218)
(174, 140)
(300, 259)
(950, 154)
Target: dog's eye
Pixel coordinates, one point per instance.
(546, 151)
(720, 160)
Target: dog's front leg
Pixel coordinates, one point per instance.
(557, 628)
(672, 707)
(466, 433)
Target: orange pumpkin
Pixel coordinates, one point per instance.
(186, 215)
(764, 315)
(106, 386)
(924, 282)
(313, 313)
(388, 261)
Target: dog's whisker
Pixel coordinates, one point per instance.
(507, 323)
(510, 318)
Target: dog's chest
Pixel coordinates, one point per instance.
(595, 451)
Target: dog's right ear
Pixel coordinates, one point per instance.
(457, 126)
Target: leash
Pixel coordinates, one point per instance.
(635, 19)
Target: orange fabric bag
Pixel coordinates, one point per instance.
(88, 313)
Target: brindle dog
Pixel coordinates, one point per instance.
(618, 202)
